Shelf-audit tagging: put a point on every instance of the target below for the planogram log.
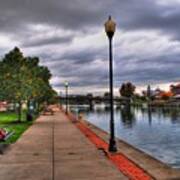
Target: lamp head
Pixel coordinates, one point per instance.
(110, 27)
(66, 84)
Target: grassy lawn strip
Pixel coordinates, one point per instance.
(8, 120)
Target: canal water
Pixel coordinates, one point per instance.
(155, 131)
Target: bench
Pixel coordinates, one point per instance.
(47, 111)
(8, 135)
(5, 135)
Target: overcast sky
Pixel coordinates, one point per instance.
(69, 38)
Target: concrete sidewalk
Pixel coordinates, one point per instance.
(53, 148)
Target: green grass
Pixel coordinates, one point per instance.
(8, 120)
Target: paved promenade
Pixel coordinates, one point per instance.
(54, 149)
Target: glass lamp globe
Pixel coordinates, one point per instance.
(110, 27)
(66, 84)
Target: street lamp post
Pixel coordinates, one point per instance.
(60, 99)
(110, 27)
(66, 88)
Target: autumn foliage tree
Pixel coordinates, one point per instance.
(127, 90)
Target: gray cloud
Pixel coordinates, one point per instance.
(83, 15)
(67, 14)
(47, 41)
(77, 19)
(148, 15)
(152, 70)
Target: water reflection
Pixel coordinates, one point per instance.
(127, 117)
(149, 115)
(128, 114)
(172, 114)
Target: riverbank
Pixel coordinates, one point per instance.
(152, 166)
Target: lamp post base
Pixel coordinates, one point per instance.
(112, 146)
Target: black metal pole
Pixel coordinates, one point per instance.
(66, 99)
(112, 142)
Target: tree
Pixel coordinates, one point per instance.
(166, 95)
(13, 76)
(89, 95)
(127, 90)
(106, 95)
(23, 80)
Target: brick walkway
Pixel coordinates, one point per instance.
(53, 148)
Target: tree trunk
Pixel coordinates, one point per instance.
(35, 106)
(19, 111)
(28, 105)
(14, 106)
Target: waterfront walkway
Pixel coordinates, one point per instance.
(53, 148)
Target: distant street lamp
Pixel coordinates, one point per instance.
(110, 27)
(60, 98)
(66, 89)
